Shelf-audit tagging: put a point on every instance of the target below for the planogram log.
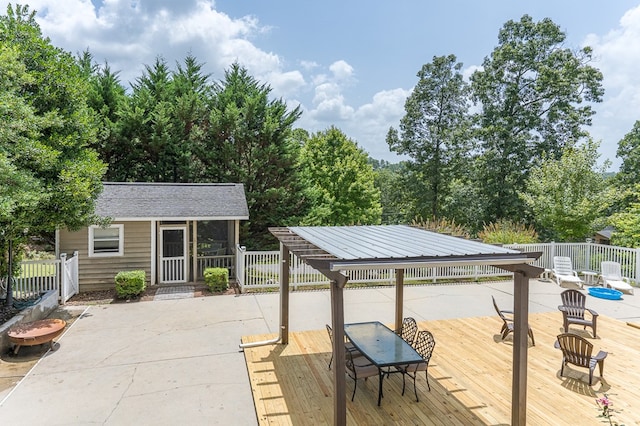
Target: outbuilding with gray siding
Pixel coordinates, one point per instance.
(172, 231)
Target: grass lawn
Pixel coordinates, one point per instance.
(38, 270)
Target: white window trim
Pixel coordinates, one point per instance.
(120, 252)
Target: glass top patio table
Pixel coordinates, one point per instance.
(380, 345)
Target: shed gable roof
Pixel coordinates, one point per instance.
(172, 201)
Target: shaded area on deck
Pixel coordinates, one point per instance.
(470, 376)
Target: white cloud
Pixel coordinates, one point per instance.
(130, 34)
(286, 84)
(341, 70)
(330, 104)
(617, 55)
(309, 65)
(387, 107)
(468, 72)
(374, 119)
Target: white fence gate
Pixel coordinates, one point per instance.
(39, 276)
(70, 285)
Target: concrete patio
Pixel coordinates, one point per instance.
(177, 361)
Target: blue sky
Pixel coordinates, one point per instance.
(348, 63)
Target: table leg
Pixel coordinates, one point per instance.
(381, 374)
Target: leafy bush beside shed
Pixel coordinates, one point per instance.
(130, 283)
(217, 279)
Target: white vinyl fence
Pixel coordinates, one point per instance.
(39, 276)
(261, 269)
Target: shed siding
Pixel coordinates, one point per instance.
(98, 273)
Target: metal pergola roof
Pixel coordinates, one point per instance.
(345, 248)
(334, 250)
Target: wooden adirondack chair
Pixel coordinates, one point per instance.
(573, 311)
(577, 350)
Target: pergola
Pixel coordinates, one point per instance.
(337, 250)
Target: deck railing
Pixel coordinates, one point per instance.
(586, 256)
(261, 269)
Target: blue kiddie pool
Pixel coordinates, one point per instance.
(605, 293)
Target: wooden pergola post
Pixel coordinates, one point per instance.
(284, 294)
(339, 380)
(399, 299)
(520, 349)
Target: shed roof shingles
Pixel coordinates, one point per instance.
(135, 200)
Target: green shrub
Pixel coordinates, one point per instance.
(130, 283)
(442, 226)
(217, 279)
(507, 232)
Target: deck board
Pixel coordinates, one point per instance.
(470, 377)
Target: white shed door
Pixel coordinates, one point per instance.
(173, 254)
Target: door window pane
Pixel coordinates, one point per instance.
(173, 243)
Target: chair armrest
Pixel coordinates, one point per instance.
(601, 355)
(506, 312)
(562, 308)
(592, 312)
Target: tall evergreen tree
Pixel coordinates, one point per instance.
(250, 141)
(147, 124)
(162, 122)
(107, 98)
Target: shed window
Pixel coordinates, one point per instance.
(107, 241)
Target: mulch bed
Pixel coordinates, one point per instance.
(103, 297)
(7, 312)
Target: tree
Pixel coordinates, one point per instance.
(339, 180)
(566, 196)
(107, 98)
(627, 223)
(151, 135)
(395, 199)
(629, 152)
(148, 126)
(434, 132)
(533, 94)
(48, 176)
(250, 140)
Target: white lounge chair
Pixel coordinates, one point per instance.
(563, 271)
(612, 277)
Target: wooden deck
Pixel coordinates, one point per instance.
(470, 377)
